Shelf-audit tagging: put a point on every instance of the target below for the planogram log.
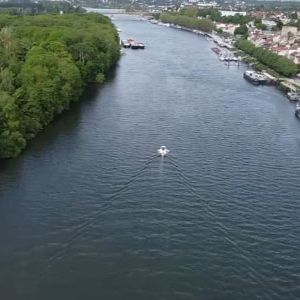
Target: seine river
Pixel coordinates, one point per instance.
(89, 211)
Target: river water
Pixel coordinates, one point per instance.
(89, 211)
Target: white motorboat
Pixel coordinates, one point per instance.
(163, 151)
(293, 96)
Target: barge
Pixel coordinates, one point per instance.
(255, 78)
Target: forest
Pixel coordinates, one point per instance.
(45, 62)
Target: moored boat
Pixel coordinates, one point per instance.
(255, 78)
(297, 111)
(125, 44)
(141, 45)
(135, 45)
(216, 50)
(293, 96)
(262, 78)
(250, 76)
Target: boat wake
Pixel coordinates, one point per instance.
(226, 232)
(92, 219)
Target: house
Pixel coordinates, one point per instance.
(289, 30)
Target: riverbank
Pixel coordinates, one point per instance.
(285, 84)
(47, 60)
(204, 25)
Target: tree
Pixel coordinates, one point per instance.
(205, 25)
(241, 30)
(280, 64)
(7, 80)
(259, 25)
(11, 139)
(45, 61)
(279, 24)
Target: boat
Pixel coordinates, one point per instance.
(222, 57)
(216, 50)
(125, 44)
(261, 78)
(141, 45)
(163, 151)
(135, 45)
(297, 111)
(293, 96)
(177, 26)
(255, 77)
(250, 76)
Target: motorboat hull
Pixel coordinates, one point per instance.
(251, 80)
(163, 152)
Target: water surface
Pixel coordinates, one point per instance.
(90, 212)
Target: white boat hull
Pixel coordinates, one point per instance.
(163, 152)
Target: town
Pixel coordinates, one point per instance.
(276, 30)
(266, 37)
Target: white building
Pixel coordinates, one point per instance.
(226, 13)
(268, 23)
(286, 30)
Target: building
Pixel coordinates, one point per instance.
(289, 30)
(228, 28)
(226, 13)
(268, 23)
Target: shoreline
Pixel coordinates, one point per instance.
(282, 83)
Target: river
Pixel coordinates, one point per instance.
(89, 211)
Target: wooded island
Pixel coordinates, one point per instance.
(45, 61)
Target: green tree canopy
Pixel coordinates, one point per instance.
(280, 64)
(242, 30)
(45, 61)
(205, 25)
